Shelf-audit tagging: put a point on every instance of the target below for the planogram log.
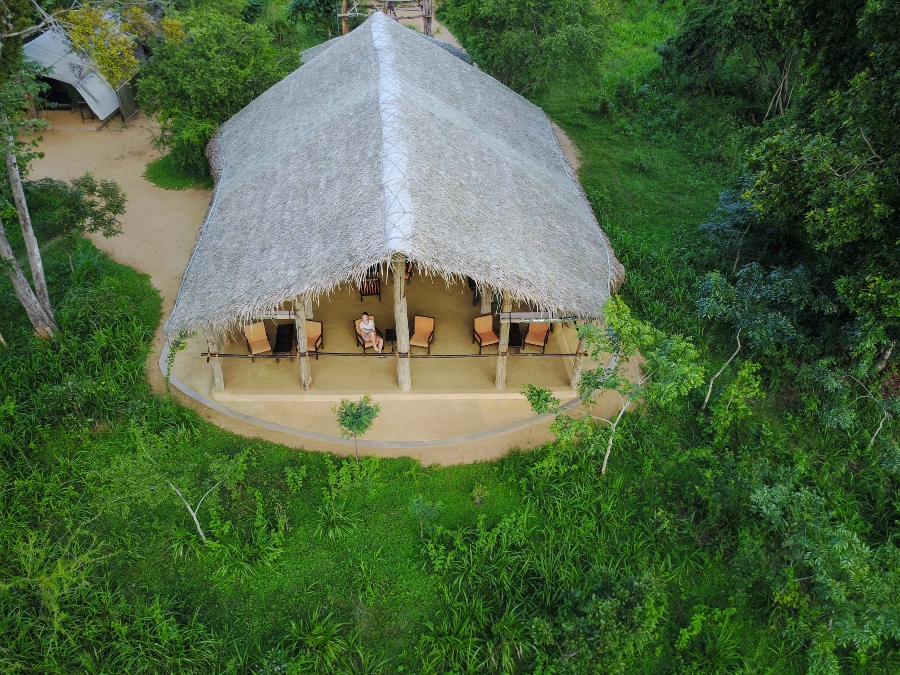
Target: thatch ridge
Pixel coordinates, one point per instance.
(383, 144)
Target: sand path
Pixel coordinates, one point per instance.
(160, 228)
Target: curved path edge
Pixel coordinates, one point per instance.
(337, 440)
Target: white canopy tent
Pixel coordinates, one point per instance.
(52, 50)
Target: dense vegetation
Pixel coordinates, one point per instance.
(754, 531)
(224, 56)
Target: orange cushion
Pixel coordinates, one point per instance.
(488, 338)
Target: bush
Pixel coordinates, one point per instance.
(525, 44)
(195, 84)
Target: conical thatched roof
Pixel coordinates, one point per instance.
(381, 144)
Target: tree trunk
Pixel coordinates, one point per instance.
(32, 107)
(44, 325)
(302, 346)
(579, 364)
(500, 377)
(31, 245)
(401, 320)
(884, 356)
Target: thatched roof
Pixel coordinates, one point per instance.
(386, 144)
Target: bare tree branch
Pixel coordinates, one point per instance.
(721, 370)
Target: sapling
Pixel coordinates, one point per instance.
(355, 418)
(147, 476)
(671, 368)
(541, 400)
(424, 511)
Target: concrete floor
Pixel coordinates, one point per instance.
(451, 398)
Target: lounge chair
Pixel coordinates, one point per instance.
(257, 339)
(537, 334)
(360, 341)
(483, 332)
(314, 338)
(423, 332)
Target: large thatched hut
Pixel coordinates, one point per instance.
(385, 149)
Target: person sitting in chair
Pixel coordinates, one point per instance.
(367, 328)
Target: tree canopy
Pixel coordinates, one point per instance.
(195, 83)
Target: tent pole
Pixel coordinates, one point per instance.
(503, 347)
(302, 345)
(579, 364)
(401, 320)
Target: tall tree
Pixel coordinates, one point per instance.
(13, 99)
(44, 324)
(822, 191)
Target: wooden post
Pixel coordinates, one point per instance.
(503, 348)
(579, 364)
(212, 348)
(307, 308)
(302, 345)
(487, 296)
(384, 7)
(345, 21)
(427, 15)
(401, 320)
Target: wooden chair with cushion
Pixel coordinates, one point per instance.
(257, 340)
(484, 333)
(370, 287)
(423, 332)
(537, 335)
(360, 341)
(314, 338)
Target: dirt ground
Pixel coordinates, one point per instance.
(160, 228)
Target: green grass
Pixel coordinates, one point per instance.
(164, 173)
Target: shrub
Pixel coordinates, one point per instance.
(195, 84)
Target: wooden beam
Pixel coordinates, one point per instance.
(307, 306)
(401, 321)
(345, 22)
(579, 364)
(503, 348)
(302, 345)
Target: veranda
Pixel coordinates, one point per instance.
(341, 365)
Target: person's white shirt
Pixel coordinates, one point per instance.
(367, 328)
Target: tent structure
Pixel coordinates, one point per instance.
(385, 148)
(52, 49)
